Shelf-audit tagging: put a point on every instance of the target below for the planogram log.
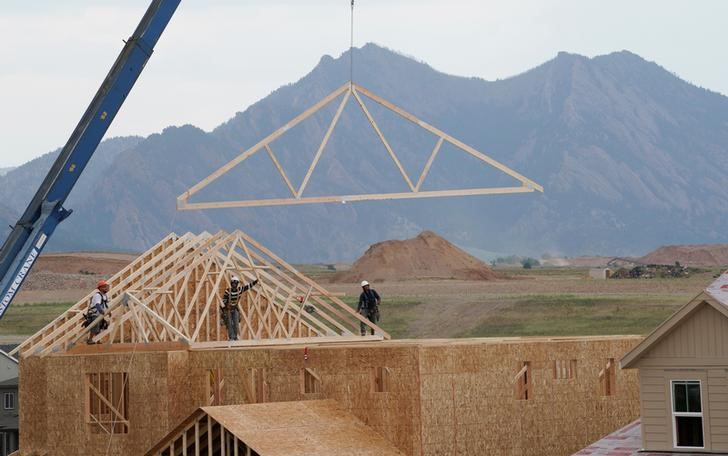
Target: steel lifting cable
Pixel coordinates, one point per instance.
(351, 46)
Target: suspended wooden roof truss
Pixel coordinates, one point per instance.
(173, 292)
(414, 186)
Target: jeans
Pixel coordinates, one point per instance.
(371, 316)
(232, 321)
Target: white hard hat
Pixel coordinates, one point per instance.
(235, 279)
(364, 283)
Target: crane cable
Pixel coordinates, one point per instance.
(351, 47)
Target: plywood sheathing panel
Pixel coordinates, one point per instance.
(301, 428)
(444, 397)
(468, 406)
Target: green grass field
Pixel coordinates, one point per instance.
(26, 319)
(396, 315)
(571, 315)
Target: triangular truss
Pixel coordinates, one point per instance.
(173, 293)
(346, 92)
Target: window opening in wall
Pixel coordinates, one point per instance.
(215, 387)
(608, 378)
(687, 414)
(524, 383)
(310, 381)
(258, 392)
(564, 369)
(107, 402)
(9, 401)
(380, 379)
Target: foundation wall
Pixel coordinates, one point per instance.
(439, 398)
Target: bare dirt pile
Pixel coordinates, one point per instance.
(689, 255)
(427, 256)
(57, 271)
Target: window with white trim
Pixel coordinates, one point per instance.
(687, 414)
(9, 401)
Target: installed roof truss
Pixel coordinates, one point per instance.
(173, 293)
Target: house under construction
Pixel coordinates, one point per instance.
(165, 381)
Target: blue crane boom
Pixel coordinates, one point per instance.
(45, 211)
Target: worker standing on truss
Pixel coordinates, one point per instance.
(368, 306)
(231, 305)
(97, 306)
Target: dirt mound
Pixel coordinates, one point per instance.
(427, 256)
(689, 255)
(59, 271)
(83, 263)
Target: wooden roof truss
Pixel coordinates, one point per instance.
(173, 292)
(358, 93)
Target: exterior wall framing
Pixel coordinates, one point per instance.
(442, 397)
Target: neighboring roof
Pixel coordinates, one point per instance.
(11, 358)
(715, 295)
(8, 422)
(9, 382)
(624, 442)
(321, 428)
(719, 289)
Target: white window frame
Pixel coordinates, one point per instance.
(5, 401)
(674, 414)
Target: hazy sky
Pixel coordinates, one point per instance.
(219, 56)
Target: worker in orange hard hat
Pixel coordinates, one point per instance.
(368, 307)
(98, 305)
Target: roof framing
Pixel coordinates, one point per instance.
(173, 293)
(358, 93)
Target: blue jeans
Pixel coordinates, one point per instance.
(232, 321)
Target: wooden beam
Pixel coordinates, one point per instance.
(267, 140)
(404, 114)
(161, 320)
(384, 141)
(428, 165)
(280, 169)
(323, 144)
(354, 198)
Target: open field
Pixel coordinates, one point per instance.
(540, 301)
(548, 301)
(25, 319)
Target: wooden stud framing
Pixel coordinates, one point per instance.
(524, 382)
(347, 90)
(608, 378)
(173, 293)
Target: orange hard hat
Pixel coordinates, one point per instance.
(102, 283)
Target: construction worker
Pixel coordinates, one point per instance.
(98, 305)
(231, 305)
(368, 306)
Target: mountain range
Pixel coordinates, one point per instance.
(631, 157)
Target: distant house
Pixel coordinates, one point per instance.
(683, 368)
(599, 273)
(9, 411)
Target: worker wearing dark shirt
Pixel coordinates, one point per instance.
(368, 306)
(231, 305)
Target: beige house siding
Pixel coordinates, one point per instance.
(718, 400)
(655, 416)
(700, 340)
(696, 349)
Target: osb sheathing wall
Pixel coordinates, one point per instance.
(469, 405)
(52, 394)
(443, 397)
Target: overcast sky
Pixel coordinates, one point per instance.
(219, 56)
